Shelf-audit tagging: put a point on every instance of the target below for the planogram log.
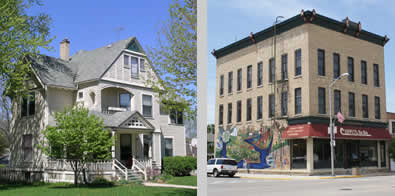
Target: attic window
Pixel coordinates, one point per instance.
(134, 47)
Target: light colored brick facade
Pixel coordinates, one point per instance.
(307, 36)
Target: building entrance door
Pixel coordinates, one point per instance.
(126, 147)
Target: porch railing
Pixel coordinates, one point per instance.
(120, 167)
(61, 164)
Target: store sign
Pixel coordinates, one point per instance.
(354, 132)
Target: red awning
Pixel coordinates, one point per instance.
(343, 132)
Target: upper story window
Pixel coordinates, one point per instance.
(27, 144)
(284, 66)
(364, 75)
(260, 74)
(351, 104)
(249, 109)
(298, 62)
(336, 65)
(238, 111)
(321, 100)
(134, 67)
(176, 117)
(350, 69)
(376, 75)
(221, 115)
(142, 65)
(126, 60)
(229, 113)
(230, 81)
(377, 107)
(271, 105)
(249, 76)
(147, 105)
(337, 100)
(298, 100)
(239, 79)
(284, 103)
(28, 107)
(221, 85)
(259, 109)
(124, 100)
(321, 62)
(271, 69)
(365, 110)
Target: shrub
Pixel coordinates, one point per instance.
(179, 166)
(101, 182)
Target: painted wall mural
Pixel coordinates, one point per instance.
(254, 148)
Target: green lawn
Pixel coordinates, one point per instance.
(67, 190)
(185, 180)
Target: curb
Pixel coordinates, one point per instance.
(169, 185)
(305, 178)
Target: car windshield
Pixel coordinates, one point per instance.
(230, 162)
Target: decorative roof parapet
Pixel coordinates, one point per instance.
(347, 27)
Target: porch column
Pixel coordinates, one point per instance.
(141, 153)
(156, 147)
(378, 155)
(113, 144)
(134, 146)
(309, 155)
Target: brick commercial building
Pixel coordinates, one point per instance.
(272, 103)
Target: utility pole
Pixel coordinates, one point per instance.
(332, 134)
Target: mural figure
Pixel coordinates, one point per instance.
(263, 153)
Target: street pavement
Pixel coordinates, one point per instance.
(363, 186)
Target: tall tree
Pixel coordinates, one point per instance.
(174, 59)
(21, 36)
(78, 138)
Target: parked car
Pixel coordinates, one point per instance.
(221, 166)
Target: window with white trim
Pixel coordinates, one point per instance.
(134, 67)
(168, 147)
(142, 67)
(147, 105)
(28, 105)
(27, 145)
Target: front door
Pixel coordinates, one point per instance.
(126, 147)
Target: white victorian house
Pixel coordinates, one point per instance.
(111, 82)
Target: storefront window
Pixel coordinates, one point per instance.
(299, 154)
(368, 153)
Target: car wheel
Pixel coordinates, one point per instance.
(231, 175)
(215, 173)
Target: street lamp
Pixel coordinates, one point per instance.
(332, 135)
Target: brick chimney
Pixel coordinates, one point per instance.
(65, 49)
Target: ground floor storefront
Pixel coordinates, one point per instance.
(305, 148)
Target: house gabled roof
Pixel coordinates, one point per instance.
(53, 71)
(82, 66)
(90, 65)
(120, 119)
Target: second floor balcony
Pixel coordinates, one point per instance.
(115, 100)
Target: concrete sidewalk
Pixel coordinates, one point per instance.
(169, 185)
(290, 177)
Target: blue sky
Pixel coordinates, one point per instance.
(90, 24)
(231, 20)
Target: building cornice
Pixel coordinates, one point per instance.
(353, 30)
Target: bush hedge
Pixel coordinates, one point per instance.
(179, 166)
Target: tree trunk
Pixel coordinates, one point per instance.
(84, 175)
(75, 169)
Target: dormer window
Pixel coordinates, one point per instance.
(126, 61)
(142, 69)
(134, 67)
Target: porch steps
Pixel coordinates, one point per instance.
(134, 176)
